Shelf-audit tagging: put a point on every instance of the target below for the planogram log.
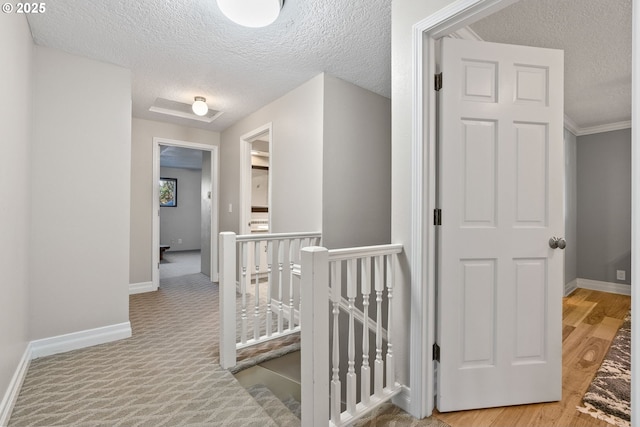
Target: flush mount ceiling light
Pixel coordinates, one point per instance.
(251, 13)
(200, 106)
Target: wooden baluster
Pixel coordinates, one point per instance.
(378, 376)
(243, 292)
(280, 285)
(270, 244)
(352, 278)
(292, 258)
(365, 372)
(391, 374)
(336, 294)
(256, 309)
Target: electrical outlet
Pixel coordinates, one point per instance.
(179, 241)
(621, 275)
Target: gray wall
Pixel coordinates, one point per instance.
(296, 161)
(604, 205)
(570, 208)
(16, 56)
(182, 221)
(142, 134)
(356, 202)
(80, 185)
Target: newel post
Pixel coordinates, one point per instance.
(314, 336)
(227, 298)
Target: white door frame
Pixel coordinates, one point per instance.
(155, 205)
(246, 141)
(423, 190)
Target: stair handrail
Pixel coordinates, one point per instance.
(285, 249)
(321, 282)
(344, 306)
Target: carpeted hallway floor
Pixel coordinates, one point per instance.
(167, 374)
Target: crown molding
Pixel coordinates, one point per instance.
(610, 127)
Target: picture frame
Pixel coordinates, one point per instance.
(168, 192)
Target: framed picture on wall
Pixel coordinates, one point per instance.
(169, 192)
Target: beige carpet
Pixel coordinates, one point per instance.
(167, 374)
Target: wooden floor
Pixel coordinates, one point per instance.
(590, 321)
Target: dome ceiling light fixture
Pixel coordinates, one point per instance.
(251, 13)
(200, 107)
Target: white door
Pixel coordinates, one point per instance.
(501, 183)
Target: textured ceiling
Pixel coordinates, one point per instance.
(184, 48)
(596, 38)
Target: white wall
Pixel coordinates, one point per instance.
(16, 55)
(571, 207)
(296, 161)
(142, 134)
(80, 176)
(356, 208)
(405, 14)
(182, 221)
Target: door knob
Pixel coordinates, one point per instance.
(557, 243)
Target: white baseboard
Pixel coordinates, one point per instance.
(139, 288)
(76, 340)
(11, 395)
(570, 287)
(612, 288)
(403, 399)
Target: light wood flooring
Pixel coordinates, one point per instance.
(590, 321)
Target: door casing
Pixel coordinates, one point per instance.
(155, 205)
(423, 191)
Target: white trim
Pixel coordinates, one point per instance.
(635, 213)
(11, 395)
(570, 287)
(571, 126)
(603, 128)
(597, 285)
(403, 399)
(423, 190)
(466, 33)
(76, 340)
(155, 205)
(142, 287)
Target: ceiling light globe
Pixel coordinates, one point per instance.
(251, 13)
(200, 107)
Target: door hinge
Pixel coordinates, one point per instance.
(437, 217)
(438, 81)
(436, 352)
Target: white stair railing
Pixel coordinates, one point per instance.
(260, 268)
(327, 275)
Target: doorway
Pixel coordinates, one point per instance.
(202, 199)
(255, 180)
(423, 150)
